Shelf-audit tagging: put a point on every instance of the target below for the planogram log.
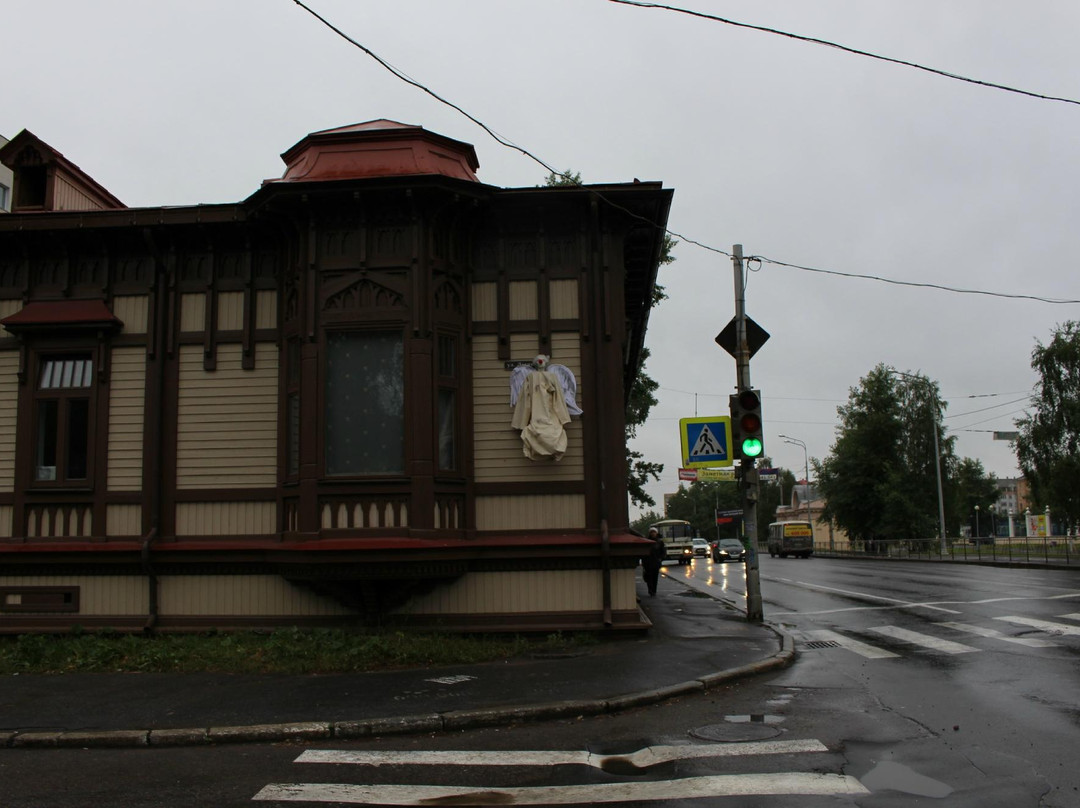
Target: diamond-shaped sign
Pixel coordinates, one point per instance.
(756, 336)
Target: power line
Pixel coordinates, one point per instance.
(940, 287)
(846, 49)
(986, 409)
(511, 145)
(985, 420)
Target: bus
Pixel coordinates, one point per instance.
(676, 535)
(791, 538)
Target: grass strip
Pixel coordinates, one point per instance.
(284, 651)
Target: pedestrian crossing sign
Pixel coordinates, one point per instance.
(706, 441)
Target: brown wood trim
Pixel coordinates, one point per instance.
(622, 620)
(39, 599)
(529, 326)
(248, 360)
(225, 495)
(99, 442)
(522, 488)
(502, 313)
(543, 305)
(165, 442)
(210, 325)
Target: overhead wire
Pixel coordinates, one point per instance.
(857, 52)
(750, 260)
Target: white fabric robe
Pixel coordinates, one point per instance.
(541, 415)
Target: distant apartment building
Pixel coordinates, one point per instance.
(1013, 495)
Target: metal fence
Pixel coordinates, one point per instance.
(1064, 550)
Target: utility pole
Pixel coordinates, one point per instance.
(747, 465)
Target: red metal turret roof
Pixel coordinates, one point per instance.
(378, 148)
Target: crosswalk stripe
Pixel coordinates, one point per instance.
(642, 758)
(1073, 616)
(1042, 625)
(925, 640)
(1030, 642)
(860, 648)
(686, 788)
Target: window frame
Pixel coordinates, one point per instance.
(374, 328)
(63, 397)
(450, 383)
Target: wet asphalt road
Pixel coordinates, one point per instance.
(978, 664)
(915, 685)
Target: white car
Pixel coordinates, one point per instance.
(701, 547)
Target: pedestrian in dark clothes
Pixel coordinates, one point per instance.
(653, 560)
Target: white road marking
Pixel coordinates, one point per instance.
(451, 680)
(993, 634)
(925, 640)
(649, 756)
(1073, 616)
(906, 604)
(860, 648)
(686, 788)
(1042, 625)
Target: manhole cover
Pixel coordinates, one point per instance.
(822, 644)
(733, 733)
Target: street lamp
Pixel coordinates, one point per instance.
(806, 460)
(977, 533)
(937, 458)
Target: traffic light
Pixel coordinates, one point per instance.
(747, 437)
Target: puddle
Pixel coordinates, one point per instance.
(889, 776)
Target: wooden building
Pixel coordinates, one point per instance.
(295, 409)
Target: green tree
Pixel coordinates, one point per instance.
(698, 502)
(971, 486)
(878, 481)
(1048, 446)
(641, 524)
(643, 391)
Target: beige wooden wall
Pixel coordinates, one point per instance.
(9, 400)
(227, 419)
(497, 446)
(527, 591)
(132, 311)
(182, 595)
(127, 395)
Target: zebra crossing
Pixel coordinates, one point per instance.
(918, 641)
(679, 788)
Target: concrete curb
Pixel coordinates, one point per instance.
(397, 725)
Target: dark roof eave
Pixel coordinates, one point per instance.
(126, 217)
(279, 188)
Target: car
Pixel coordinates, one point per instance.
(728, 550)
(701, 547)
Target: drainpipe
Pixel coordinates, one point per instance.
(153, 405)
(605, 558)
(151, 580)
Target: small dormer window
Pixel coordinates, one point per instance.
(30, 187)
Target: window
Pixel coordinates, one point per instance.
(62, 415)
(31, 187)
(447, 402)
(5, 192)
(292, 410)
(365, 403)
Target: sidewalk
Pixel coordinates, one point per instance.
(696, 643)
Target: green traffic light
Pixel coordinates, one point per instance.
(751, 447)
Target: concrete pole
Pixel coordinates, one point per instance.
(748, 465)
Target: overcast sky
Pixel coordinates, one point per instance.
(799, 152)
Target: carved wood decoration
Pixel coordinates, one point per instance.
(363, 289)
